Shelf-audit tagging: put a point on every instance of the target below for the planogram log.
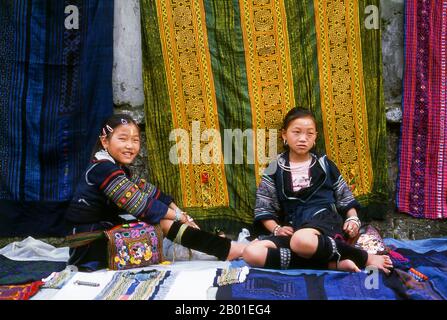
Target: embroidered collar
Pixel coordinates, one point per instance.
(283, 158)
(317, 172)
(104, 155)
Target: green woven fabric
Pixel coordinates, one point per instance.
(377, 202)
(231, 84)
(157, 105)
(303, 45)
(230, 81)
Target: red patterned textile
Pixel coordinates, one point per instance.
(422, 182)
(20, 292)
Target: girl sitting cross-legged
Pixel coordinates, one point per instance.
(308, 208)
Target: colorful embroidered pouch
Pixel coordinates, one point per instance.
(134, 245)
(370, 240)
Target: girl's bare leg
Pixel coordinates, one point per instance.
(236, 250)
(304, 242)
(255, 254)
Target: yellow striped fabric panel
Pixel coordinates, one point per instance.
(342, 93)
(269, 71)
(193, 100)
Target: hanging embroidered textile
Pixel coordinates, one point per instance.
(55, 78)
(422, 180)
(220, 75)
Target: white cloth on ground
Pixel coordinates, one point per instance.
(31, 249)
(192, 285)
(192, 282)
(72, 291)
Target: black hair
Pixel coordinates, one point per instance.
(109, 125)
(297, 113)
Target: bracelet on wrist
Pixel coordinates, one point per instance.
(275, 230)
(356, 220)
(178, 215)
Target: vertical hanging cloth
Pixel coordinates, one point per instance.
(228, 65)
(351, 97)
(422, 180)
(55, 78)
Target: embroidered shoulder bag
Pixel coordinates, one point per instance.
(131, 245)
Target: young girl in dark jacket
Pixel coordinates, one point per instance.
(306, 205)
(107, 190)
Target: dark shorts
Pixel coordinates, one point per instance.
(329, 223)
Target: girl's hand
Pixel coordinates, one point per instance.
(351, 228)
(284, 231)
(189, 221)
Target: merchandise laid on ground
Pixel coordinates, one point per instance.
(32, 269)
(211, 86)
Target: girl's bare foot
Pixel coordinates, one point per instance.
(344, 265)
(381, 262)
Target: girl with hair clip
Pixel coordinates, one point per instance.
(107, 190)
(308, 208)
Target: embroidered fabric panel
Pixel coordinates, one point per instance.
(134, 245)
(191, 87)
(55, 92)
(268, 70)
(267, 205)
(128, 196)
(229, 276)
(285, 256)
(20, 292)
(342, 93)
(50, 116)
(264, 60)
(422, 183)
(144, 285)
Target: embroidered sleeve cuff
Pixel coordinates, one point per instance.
(353, 204)
(265, 216)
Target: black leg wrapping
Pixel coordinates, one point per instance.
(284, 258)
(201, 241)
(173, 230)
(325, 249)
(273, 260)
(347, 251)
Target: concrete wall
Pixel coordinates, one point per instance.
(129, 98)
(127, 78)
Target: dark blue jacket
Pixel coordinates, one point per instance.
(275, 198)
(108, 190)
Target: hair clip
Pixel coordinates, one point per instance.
(104, 133)
(124, 121)
(109, 128)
